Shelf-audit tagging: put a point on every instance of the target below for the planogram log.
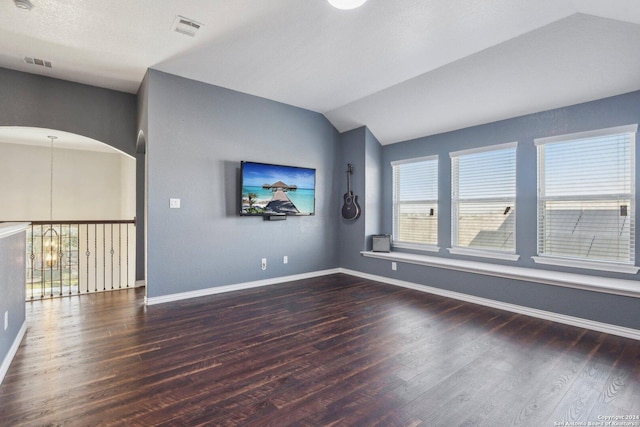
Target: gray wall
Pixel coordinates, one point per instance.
(36, 101)
(615, 111)
(360, 148)
(197, 136)
(352, 234)
(373, 185)
(12, 289)
(141, 149)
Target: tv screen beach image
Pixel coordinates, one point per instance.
(277, 190)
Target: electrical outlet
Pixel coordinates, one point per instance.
(285, 259)
(6, 320)
(394, 266)
(264, 263)
(174, 203)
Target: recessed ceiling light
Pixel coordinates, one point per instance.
(346, 4)
(23, 4)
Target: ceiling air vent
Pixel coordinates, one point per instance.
(36, 61)
(186, 26)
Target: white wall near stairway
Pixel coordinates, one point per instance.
(87, 185)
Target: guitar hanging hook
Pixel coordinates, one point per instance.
(350, 208)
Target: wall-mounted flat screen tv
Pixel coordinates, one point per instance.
(270, 190)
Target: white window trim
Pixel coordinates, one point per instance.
(414, 160)
(505, 256)
(589, 265)
(408, 245)
(609, 285)
(585, 135)
(483, 149)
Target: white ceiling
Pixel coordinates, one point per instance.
(404, 68)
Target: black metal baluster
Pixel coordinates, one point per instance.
(78, 269)
(65, 259)
(104, 258)
(127, 257)
(60, 253)
(51, 272)
(75, 240)
(88, 254)
(112, 252)
(119, 256)
(42, 276)
(67, 254)
(32, 256)
(95, 258)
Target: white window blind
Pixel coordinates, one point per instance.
(483, 198)
(586, 196)
(415, 201)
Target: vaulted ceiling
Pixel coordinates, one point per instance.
(404, 68)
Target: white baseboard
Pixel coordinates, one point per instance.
(236, 287)
(533, 312)
(4, 368)
(527, 311)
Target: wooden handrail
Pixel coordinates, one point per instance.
(99, 221)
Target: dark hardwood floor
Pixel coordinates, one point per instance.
(335, 350)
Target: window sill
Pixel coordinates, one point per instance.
(590, 265)
(607, 285)
(484, 254)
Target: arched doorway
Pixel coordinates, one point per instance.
(78, 190)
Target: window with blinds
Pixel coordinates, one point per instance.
(415, 202)
(586, 195)
(483, 198)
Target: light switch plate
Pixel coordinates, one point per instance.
(174, 203)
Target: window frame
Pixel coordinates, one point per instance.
(507, 255)
(627, 267)
(395, 205)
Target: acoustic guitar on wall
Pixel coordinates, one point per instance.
(350, 208)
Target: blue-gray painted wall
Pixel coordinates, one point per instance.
(352, 235)
(12, 289)
(141, 148)
(609, 112)
(197, 136)
(360, 148)
(373, 186)
(105, 115)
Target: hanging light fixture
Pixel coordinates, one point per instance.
(50, 238)
(346, 4)
(50, 248)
